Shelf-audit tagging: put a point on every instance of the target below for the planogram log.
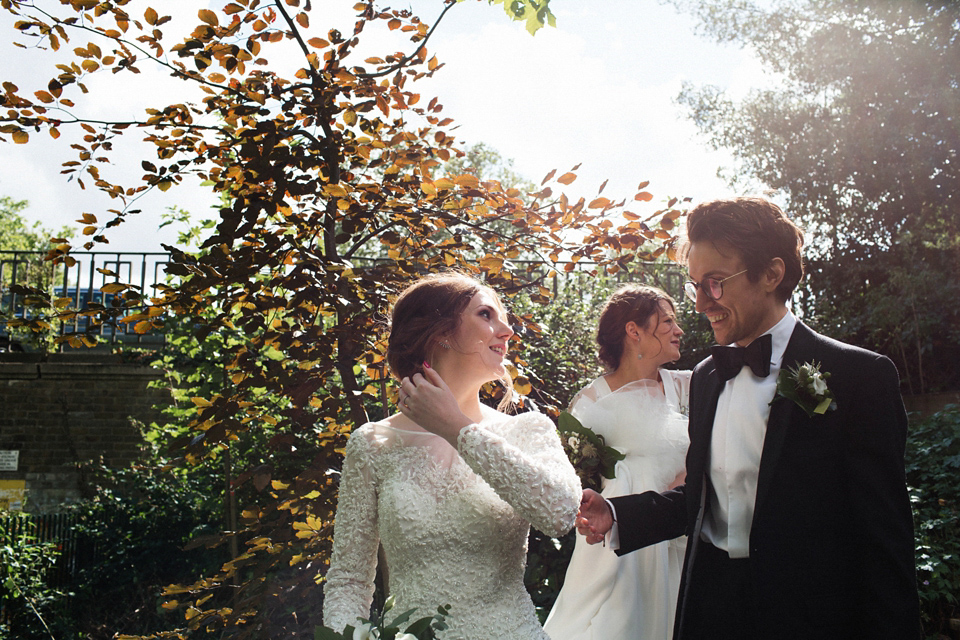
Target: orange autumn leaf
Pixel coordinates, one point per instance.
(467, 180)
(209, 17)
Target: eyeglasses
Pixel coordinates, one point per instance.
(711, 287)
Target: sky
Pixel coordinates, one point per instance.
(598, 90)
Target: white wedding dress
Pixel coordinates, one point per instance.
(632, 597)
(453, 526)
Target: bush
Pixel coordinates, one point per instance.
(933, 479)
(29, 607)
(132, 535)
(562, 358)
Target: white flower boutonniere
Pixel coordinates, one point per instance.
(807, 387)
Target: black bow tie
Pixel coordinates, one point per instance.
(756, 355)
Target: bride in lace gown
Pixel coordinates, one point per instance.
(640, 410)
(449, 486)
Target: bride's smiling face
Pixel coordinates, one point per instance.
(482, 337)
(660, 339)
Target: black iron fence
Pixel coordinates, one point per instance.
(24, 539)
(55, 529)
(81, 283)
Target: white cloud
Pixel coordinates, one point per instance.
(591, 91)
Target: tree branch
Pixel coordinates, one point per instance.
(402, 63)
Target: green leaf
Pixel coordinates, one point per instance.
(536, 13)
(401, 619)
(567, 423)
(325, 633)
(419, 626)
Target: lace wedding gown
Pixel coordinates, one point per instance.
(632, 597)
(453, 526)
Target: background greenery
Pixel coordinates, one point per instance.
(858, 136)
(933, 476)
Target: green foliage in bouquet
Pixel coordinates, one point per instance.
(587, 451)
(379, 629)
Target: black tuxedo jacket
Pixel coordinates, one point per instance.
(831, 544)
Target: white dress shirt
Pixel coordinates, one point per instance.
(739, 427)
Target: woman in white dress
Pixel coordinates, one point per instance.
(639, 408)
(449, 486)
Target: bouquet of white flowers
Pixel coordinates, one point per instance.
(379, 629)
(587, 451)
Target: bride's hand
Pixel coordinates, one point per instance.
(594, 519)
(427, 400)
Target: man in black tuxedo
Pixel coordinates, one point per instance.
(799, 525)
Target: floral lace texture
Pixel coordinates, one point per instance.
(453, 525)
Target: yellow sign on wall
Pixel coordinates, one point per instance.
(12, 494)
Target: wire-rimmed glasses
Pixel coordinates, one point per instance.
(711, 287)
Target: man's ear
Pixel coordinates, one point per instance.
(773, 274)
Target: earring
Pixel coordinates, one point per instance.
(639, 356)
(444, 345)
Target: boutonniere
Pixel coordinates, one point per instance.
(806, 385)
(588, 453)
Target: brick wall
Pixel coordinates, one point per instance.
(69, 408)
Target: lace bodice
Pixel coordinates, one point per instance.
(453, 523)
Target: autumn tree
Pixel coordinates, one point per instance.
(858, 131)
(314, 170)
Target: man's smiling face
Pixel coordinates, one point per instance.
(745, 309)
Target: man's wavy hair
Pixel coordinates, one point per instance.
(757, 229)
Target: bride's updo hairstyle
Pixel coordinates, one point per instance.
(636, 302)
(427, 311)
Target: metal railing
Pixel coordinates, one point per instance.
(81, 282)
(88, 272)
(55, 528)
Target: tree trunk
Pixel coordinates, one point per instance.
(916, 323)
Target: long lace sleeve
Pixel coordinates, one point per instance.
(349, 586)
(527, 468)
